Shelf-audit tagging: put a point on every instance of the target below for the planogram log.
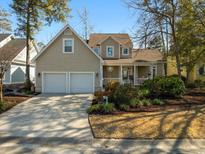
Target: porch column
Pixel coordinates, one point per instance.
(121, 81)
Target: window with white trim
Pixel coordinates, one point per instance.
(97, 50)
(110, 51)
(68, 46)
(125, 51)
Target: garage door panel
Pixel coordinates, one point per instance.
(54, 83)
(81, 82)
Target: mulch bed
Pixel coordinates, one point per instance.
(191, 99)
(11, 101)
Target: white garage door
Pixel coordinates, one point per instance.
(81, 82)
(54, 83)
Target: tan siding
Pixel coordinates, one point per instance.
(130, 51)
(54, 60)
(160, 69)
(114, 74)
(110, 42)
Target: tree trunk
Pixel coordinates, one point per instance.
(1, 90)
(28, 81)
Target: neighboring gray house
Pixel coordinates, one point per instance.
(70, 65)
(14, 50)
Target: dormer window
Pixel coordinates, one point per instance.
(97, 50)
(125, 51)
(68, 45)
(110, 51)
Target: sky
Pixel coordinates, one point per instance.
(106, 16)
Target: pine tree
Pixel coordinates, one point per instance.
(32, 15)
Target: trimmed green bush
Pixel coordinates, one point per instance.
(103, 108)
(165, 86)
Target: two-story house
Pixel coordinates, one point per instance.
(70, 65)
(122, 62)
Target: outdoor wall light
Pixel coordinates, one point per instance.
(39, 74)
(110, 69)
(96, 74)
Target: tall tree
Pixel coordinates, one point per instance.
(191, 35)
(32, 15)
(5, 24)
(164, 13)
(84, 19)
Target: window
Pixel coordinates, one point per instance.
(68, 46)
(125, 51)
(110, 51)
(97, 50)
(202, 70)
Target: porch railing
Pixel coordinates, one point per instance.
(140, 81)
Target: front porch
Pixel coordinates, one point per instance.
(130, 74)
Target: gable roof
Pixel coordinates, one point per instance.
(121, 38)
(147, 55)
(58, 34)
(10, 50)
(4, 36)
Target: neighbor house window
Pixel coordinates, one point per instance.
(125, 51)
(202, 70)
(97, 50)
(68, 46)
(110, 51)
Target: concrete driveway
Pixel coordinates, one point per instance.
(48, 118)
(59, 124)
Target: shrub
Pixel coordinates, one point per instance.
(199, 83)
(143, 92)
(108, 108)
(124, 93)
(146, 102)
(110, 88)
(182, 77)
(103, 108)
(2, 106)
(165, 86)
(99, 95)
(157, 101)
(124, 107)
(134, 102)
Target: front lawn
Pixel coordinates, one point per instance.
(11, 101)
(170, 123)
